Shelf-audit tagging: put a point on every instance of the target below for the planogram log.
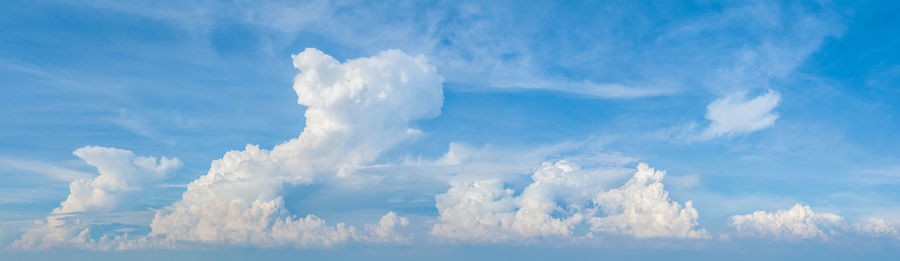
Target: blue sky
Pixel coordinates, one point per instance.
(447, 130)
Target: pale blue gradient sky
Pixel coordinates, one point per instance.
(194, 80)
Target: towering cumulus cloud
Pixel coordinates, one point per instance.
(123, 178)
(355, 111)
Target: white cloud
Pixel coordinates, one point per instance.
(798, 222)
(561, 196)
(735, 114)
(386, 229)
(486, 211)
(801, 222)
(477, 211)
(121, 174)
(875, 227)
(642, 208)
(52, 232)
(123, 177)
(355, 111)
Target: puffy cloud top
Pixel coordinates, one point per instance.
(485, 211)
(798, 222)
(122, 178)
(801, 222)
(561, 196)
(121, 173)
(642, 208)
(393, 81)
(355, 111)
(875, 227)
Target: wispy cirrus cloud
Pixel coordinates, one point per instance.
(739, 46)
(43, 168)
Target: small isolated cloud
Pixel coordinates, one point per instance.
(728, 116)
(123, 178)
(735, 114)
(560, 197)
(801, 222)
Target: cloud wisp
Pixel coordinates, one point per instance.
(484, 44)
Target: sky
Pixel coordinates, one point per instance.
(340, 130)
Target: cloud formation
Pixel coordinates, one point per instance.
(875, 227)
(560, 197)
(355, 111)
(801, 222)
(735, 114)
(486, 211)
(738, 45)
(642, 208)
(798, 222)
(122, 178)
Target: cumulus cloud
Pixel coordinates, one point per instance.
(735, 114)
(801, 222)
(560, 197)
(121, 174)
(798, 222)
(386, 230)
(875, 227)
(477, 211)
(486, 211)
(642, 208)
(122, 178)
(355, 111)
